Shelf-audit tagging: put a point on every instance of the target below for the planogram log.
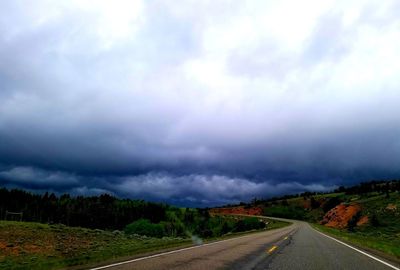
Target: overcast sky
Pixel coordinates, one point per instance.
(198, 102)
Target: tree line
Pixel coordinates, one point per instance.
(371, 186)
(380, 186)
(101, 212)
(110, 213)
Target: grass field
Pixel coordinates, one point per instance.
(26, 245)
(386, 242)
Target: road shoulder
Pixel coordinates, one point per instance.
(387, 258)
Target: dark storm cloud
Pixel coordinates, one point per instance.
(193, 189)
(198, 103)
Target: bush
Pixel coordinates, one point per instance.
(331, 203)
(145, 227)
(375, 221)
(314, 203)
(248, 224)
(353, 222)
(292, 212)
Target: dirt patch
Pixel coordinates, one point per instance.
(339, 216)
(240, 210)
(306, 204)
(18, 241)
(8, 249)
(362, 221)
(391, 207)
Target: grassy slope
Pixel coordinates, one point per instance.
(385, 237)
(366, 238)
(25, 245)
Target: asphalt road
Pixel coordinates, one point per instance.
(297, 246)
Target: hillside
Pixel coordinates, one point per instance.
(36, 246)
(29, 245)
(367, 214)
(105, 228)
(239, 210)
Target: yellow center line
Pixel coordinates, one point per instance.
(272, 249)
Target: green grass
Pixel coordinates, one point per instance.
(384, 237)
(329, 195)
(381, 240)
(28, 245)
(272, 225)
(291, 211)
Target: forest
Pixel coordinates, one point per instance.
(110, 213)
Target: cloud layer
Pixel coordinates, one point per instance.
(188, 190)
(245, 96)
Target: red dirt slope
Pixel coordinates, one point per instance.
(362, 221)
(339, 216)
(240, 210)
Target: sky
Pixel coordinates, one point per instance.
(198, 103)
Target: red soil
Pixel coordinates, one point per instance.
(339, 216)
(306, 204)
(240, 210)
(362, 221)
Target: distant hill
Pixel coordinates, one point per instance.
(366, 215)
(360, 205)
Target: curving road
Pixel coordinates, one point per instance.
(297, 246)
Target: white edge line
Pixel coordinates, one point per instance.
(168, 252)
(362, 252)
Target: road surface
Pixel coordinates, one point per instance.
(297, 246)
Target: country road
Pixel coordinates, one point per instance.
(297, 246)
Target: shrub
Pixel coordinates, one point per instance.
(248, 224)
(353, 222)
(375, 221)
(332, 202)
(314, 203)
(145, 227)
(292, 212)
